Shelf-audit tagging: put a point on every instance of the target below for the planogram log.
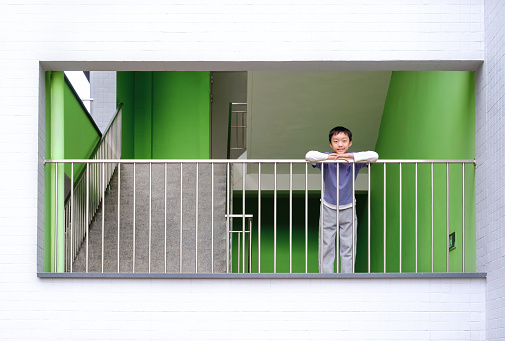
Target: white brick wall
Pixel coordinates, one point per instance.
(103, 92)
(154, 35)
(490, 152)
(373, 309)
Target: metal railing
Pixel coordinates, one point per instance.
(88, 190)
(385, 179)
(237, 129)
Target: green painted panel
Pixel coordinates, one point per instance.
(181, 115)
(142, 105)
(165, 114)
(54, 175)
(125, 95)
(427, 115)
(81, 136)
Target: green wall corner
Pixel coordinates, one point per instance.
(165, 114)
(427, 115)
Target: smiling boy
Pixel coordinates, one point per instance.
(340, 141)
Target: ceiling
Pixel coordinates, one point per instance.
(291, 112)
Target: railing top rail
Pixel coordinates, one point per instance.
(240, 161)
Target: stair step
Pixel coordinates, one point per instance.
(162, 187)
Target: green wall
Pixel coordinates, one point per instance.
(69, 134)
(427, 115)
(165, 114)
(81, 133)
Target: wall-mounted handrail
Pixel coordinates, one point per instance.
(94, 152)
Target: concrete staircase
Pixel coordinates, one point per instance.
(140, 251)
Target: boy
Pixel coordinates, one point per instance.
(340, 141)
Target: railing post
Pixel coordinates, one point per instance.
(243, 215)
(134, 197)
(56, 220)
(321, 220)
(103, 214)
(259, 217)
(227, 215)
(447, 216)
(275, 217)
(150, 214)
(306, 216)
(165, 214)
(118, 214)
(353, 215)
(369, 213)
(180, 222)
(415, 216)
(290, 217)
(212, 218)
(400, 240)
(384, 227)
(196, 218)
(71, 216)
(87, 217)
(337, 203)
(463, 217)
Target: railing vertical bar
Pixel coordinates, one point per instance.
(103, 214)
(431, 175)
(118, 213)
(463, 217)
(87, 217)
(447, 217)
(227, 217)
(369, 214)
(165, 215)
(337, 204)
(353, 215)
(71, 216)
(239, 241)
(212, 218)
(243, 216)
(400, 241)
(56, 220)
(275, 217)
(259, 217)
(134, 198)
(150, 214)
(290, 217)
(244, 129)
(180, 229)
(416, 240)
(306, 216)
(384, 223)
(250, 247)
(321, 220)
(196, 218)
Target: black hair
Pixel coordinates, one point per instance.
(338, 130)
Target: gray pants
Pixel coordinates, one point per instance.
(329, 227)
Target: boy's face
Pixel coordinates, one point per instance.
(340, 143)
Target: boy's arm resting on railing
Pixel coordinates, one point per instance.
(314, 156)
(368, 156)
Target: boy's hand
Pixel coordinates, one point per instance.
(345, 156)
